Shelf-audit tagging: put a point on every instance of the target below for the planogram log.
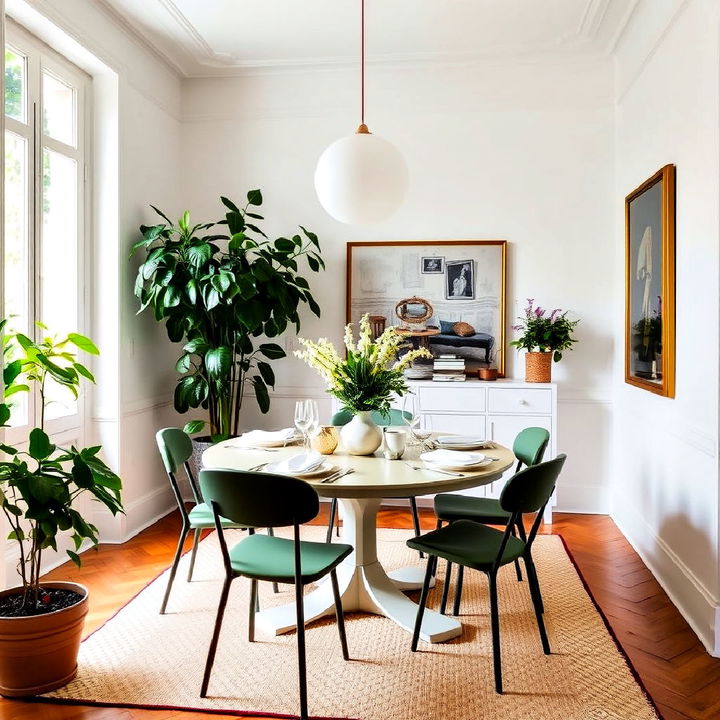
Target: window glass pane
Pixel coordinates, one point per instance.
(58, 110)
(15, 84)
(59, 289)
(16, 249)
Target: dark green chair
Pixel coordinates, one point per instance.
(176, 450)
(529, 448)
(392, 417)
(263, 500)
(479, 547)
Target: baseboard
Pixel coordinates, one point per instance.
(694, 602)
(583, 499)
(145, 511)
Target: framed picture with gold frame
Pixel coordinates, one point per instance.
(650, 284)
(467, 295)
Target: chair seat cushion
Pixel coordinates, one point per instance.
(201, 516)
(451, 507)
(273, 558)
(468, 543)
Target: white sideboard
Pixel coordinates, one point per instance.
(496, 410)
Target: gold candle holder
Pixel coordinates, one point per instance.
(325, 440)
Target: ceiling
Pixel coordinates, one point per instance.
(225, 37)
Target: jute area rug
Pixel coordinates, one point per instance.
(143, 659)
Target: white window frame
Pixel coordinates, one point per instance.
(41, 58)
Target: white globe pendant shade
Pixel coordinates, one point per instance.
(361, 179)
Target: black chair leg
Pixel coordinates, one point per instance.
(495, 623)
(518, 571)
(537, 584)
(431, 563)
(446, 587)
(339, 615)
(216, 635)
(331, 522)
(416, 520)
(254, 607)
(458, 590)
(271, 533)
(537, 604)
(173, 569)
(302, 669)
(196, 540)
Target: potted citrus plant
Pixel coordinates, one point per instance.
(41, 622)
(544, 336)
(221, 289)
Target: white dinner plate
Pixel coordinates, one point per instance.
(460, 442)
(242, 443)
(325, 469)
(459, 468)
(470, 461)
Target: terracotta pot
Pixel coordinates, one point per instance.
(488, 373)
(39, 653)
(538, 367)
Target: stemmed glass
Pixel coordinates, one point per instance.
(306, 419)
(412, 415)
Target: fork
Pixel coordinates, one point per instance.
(255, 468)
(337, 475)
(442, 472)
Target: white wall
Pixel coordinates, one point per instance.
(519, 152)
(666, 461)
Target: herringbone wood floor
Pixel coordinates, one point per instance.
(681, 677)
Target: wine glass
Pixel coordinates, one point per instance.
(411, 414)
(313, 418)
(302, 419)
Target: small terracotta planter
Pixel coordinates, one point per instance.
(39, 653)
(538, 367)
(488, 374)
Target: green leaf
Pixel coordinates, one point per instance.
(235, 222)
(272, 351)
(40, 445)
(311, 236)
(83, 343)
(198, 255)
(74, 557)
(313, 305)
(254, 197)
(267, 373)
(313, 263)
(82, 475)
(229, 204)
(261, 394)
(256, 229)
(4, 414)
(217, 362)
(194, 426)
(196, 346)
(183, 363)
(11, 371)
(8, 449)
(18, 535)
(171, 297)
(191, 290)
(162, 215)
(82, 370)
(284, 245)
(16, 389)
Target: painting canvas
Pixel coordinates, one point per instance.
(470, 289)
(650, 284)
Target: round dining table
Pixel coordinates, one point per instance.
(365, 586)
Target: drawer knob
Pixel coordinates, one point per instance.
(522, 401)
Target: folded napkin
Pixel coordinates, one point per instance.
(263, 437)
(452, 457)
(460, 440)
(301, 463)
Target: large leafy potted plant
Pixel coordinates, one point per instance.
(365, 381)
(544, 336)
(41, 622)
(221, 294)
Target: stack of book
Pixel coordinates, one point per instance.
(449, 368)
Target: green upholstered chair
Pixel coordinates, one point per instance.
(175, 450)
(529, 448)
(266, 500)
(392, 417)
(479, 547)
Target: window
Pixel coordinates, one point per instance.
(45, 106)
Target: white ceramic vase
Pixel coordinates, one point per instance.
(361, 436)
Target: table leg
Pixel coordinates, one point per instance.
(364, 585)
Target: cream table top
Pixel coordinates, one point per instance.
(374, 476)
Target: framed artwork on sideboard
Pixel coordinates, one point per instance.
(650, 284)
(467, 288)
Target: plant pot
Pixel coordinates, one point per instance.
(361, 436)
(39, 653)
(538, 367)
(200, 445)
(488, 374)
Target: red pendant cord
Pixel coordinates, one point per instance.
(362, 62)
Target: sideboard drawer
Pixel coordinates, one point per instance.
(456, 424)
(449, 397)
(520, 400)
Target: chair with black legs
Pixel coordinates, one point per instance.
(175, 450)
(392, 417)
(479, 547)
(529, 448)
(276, 501)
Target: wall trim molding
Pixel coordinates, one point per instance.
(699, 607)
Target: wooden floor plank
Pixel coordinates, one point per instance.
(681, 677)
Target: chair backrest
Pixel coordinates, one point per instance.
(253, 499)
(175, 448)
(529, 446)
(392, 417)
(529, 490)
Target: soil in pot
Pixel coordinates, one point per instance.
(38, 653)
(48, 601)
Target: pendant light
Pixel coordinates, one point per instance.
(361, 178)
